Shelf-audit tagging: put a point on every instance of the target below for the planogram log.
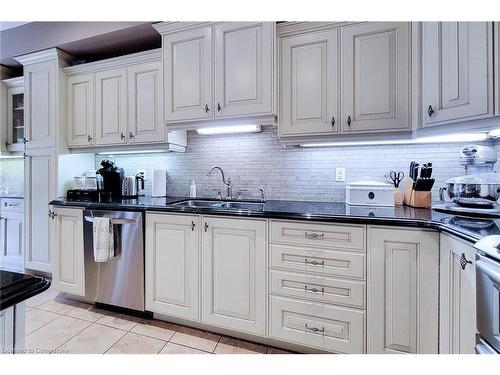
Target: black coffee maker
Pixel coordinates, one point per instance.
(112, 178)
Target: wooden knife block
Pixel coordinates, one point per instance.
(419, 199)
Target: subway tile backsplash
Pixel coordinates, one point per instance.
(258, 160)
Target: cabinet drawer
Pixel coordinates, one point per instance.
(323, 235)
(318, 288)
(11, 205)
(330, 328)
(324, 262)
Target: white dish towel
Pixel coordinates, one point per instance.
(103, 234)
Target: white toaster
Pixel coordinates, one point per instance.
(369, 193)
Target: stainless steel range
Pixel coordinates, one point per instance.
(488, 295)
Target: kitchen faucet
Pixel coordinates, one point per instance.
(228, 183)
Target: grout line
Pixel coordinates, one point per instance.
(116, 342)
(189, 347)
(216, 345)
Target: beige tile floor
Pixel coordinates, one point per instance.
(55, 324)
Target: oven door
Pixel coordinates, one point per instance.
(488, 300)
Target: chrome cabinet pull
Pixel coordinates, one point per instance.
(206, 108)
(314, 290)
(205, 227)
(6, 143)
(333, 121)
(192, 225)
(314, 262)
(348, 120)
(430, 111)
(130, 135)
(89, 138)
(122, 136)
(315, 329)
(314, 236)
(219, 108)
(464, 261)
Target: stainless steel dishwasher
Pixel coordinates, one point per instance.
(120, 280)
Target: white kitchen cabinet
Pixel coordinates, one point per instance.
(457, 305)
(244, 54)
(457, 73)
(375, 77)
(7, 330)
(12, 234)
(68, 273)
(496, 68)
(80, 94)
(13, 119)
(173, 265)
(40, 104)
(39, 181)
(145, 101)
(234, 274)
(111, 107)
(403, 272)
(310, 84)
(188, 83)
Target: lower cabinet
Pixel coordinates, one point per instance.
(234, 274)
(12, 234)
(68, 271)
(403, 271)
(7, 330)
(173, 265)
(457, 313)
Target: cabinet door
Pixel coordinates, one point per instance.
(234, 274)
(68, 266)
(145, 101)
(40, 104)
(244, 55)
(375, 77)
(457, 322)
(310, 84)
(11, 240)
(172, 265)
(80, 110)
(187, 59)
(39, 180)
(15, 119)
(457, 73)
(7, 330)
(111, 107)
(403, 269)
(496, 72)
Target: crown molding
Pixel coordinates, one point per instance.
(284, 29)
(116, 62)
(14, 82)
(45, 55)
(173, 27)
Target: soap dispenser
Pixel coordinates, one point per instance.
(192, 190)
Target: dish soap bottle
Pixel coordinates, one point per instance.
(192, 190)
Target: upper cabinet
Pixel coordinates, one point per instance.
(222, 70)
(80, 109)
(375, 77)
(496, 53)
(457, 72)
(13, 119)
(310, 84)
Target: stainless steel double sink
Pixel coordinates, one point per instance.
(221, 205)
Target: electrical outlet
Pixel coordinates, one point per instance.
(340, 174)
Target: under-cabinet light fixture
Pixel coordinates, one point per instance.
(131, 152)
(461, 137)
(230, 129)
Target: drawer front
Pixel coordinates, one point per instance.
(318, 288)
(11, 205)
(324, 262)
(350, 237)
(336, 329)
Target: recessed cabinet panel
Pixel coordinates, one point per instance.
(244, 68)
(80, 110)
(376, 74)
(457, 71)
(188, 75)
(310, 83)
(111, 105)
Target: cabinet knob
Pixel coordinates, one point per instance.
(348, 120)
(219, 108)
(89, 138)
(192, 225)
(122, 136)
(333, 121)
(205, 227)
(464, 261)
(430, 111)
(206, 108)
(130, 136)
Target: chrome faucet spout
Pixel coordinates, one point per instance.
(227, 183)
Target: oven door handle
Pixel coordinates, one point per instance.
(114, 221)
(493, 274)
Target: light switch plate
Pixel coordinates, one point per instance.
(340, 174)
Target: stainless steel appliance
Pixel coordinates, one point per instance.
(112, 178)
(488, 295)
(476, 193)
(120, 280)
(130, 185)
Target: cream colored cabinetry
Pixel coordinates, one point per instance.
(317, 285)
(7, 330)
(457, 322)
(457, 72)
(403, 281)
(222, 70)
(310, 84)
(234, 274)
(173, 265)
(496, 67)
(13, 115)
(81, 116)
(12, 234)
(68, 273)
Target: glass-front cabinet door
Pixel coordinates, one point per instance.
(15, 114)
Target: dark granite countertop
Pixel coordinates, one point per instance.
(467, 228)
(18, 287)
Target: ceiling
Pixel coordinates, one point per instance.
(86, 41)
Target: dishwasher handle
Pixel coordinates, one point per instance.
(114, 221)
